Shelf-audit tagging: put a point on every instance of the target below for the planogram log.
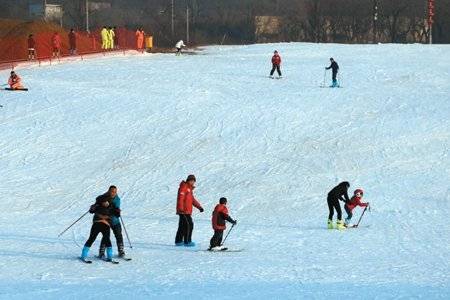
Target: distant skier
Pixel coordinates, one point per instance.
(179, 46)
(72, 42)
(340, 192)
(185, 201)
(354, 202)
(103, 211)
(115, 223)
(31, 47)
(335, 68)
(105, 40)
(140, 36)
(15, 82)
(276, 63)
(111, 35)
(56, 45)
(219, 216)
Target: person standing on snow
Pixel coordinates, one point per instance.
(111, 36)
(116, 38)
(14, 81)
(140, 36)
(185, 201)
(104, 34)
(179, 46)
(115, 223)
(56, 44)
(354, 202)
(276, 63)
(72, 42)
(340, 192)
(103, 211)
(31, 47)
(335, 68)
(219, 216)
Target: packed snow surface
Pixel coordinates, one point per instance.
(274, 148)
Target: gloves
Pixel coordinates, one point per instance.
(201, 209)
(92, 208)
(234, 222)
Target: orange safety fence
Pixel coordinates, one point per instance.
(14, 49)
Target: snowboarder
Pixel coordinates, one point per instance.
(115, 223)
(354, 202)
(179, 46)
(276, 63)
(339, 192)
(15, 82)
(219, 216)
(31, 47)
(56, 44)
(102, 210)
(72, 42)
(335, 68)
(185, 201)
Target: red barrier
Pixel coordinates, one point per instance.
(15, 49)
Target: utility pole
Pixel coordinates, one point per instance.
(430, 19)
(187, 24)
(87, 15)
(173, 18)
(375, 20)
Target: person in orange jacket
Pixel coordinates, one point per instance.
(140, 39)
(56, 44)
(14, 81)
(219, 216)
(185, 201)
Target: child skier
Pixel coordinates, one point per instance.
(276, 63)
(354, 202)
(334, 68)
(219, 216)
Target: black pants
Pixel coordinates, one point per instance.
(185, 228)
(349, 213)
(96, 228)
(334, 76)
(216, 240)
(117, 230)
(333, 203)
(275, 67)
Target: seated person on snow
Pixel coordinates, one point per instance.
(354, 202)
(14, 81)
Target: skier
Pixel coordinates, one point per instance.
(111, 35)
(115, 223)
(102, 210)
(276, 62)
(140, 35)
(15, 82)
(354, 202)
(335, 68)
(339, 192)
(219, 216)
(104, 34)
(31, 47)
(56, 44)
(179, 46)
(72, 42)
(185, 201)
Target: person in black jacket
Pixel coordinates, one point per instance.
(103, 211)
(339, 192)
(335, 68)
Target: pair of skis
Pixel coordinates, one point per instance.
(115, 262)
(357, 224)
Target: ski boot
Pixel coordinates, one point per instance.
(109, 254)
(190, 244)
(101, 252)
(179, 244)
(330, 224)
(84, 253)
(340, 225)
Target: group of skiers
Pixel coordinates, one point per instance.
(110, 39)
(276, 65)
(55, 45)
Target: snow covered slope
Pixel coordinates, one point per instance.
(273, 147)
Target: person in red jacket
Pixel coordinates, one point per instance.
(31, 47)
(72, 42)
(354, 202)
(15, 82)
(56, 44)
(185, 201)
(276, 63)
(219, 216)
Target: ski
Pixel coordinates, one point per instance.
(225, 250)
(86, 261)
(125, 258)
(10, 89)
(106, 260)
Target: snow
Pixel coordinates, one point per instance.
(274, 148)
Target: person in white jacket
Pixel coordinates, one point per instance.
(179, 46)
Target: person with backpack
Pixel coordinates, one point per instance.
(185, 202)
(219, 216)
(276, 63)
(354, 202)
(339, 192)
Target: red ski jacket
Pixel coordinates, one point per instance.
(276, 59)
(354, 202)
(186, 199)
(31, 43)
(56, 41)
(219, 216)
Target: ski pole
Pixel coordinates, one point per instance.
(126, 233)
(73, 223)
(227, 235)
(361, 216)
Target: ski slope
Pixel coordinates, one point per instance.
(274, 148)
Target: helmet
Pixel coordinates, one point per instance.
(359, 191)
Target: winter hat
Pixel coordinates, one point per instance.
(191, 177)
(223, 200)
(360, 191)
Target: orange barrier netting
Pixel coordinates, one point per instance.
(15, 49)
